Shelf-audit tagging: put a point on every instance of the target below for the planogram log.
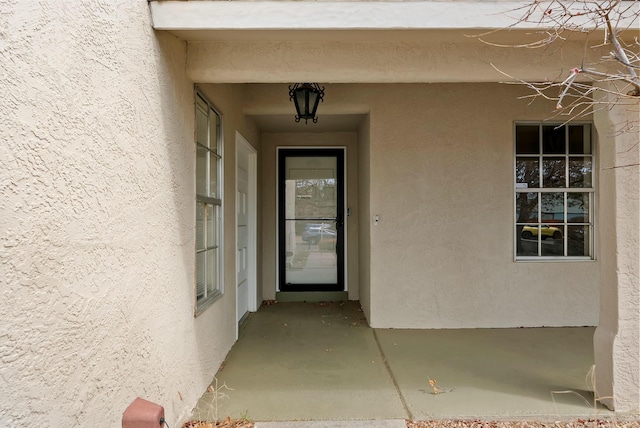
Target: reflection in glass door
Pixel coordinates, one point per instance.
(311, 207)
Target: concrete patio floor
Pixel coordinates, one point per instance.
(321, 361)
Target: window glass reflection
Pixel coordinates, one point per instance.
(553, 190)
(527, 240)
(551, 242)
(580, 139)
(527, 208)
(578, 241)
(553, 140)
(553, 172)
(578, 207)
(527, 139)
(528, 172)
(580, 172)
(553, 206)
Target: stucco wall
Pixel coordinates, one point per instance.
(437, 167)
(97, 219)
(442, 184)
(617, 339)
(364, 211)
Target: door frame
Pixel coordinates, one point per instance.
(342, 170)
(245, 149)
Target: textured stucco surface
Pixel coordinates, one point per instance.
(441, 180)
(442, 184)
(364, 231)
(97, 219)
(426, 58)
(617, 339)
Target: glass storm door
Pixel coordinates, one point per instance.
(311, 208)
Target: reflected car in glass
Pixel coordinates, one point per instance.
(316, 232)
(546, 231)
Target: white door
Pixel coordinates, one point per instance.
(246, 229)
(242, 257)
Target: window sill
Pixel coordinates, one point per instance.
(203, 305)
(553, 259)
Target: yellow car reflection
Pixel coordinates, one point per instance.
(529, 232)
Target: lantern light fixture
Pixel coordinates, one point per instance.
(306, 97)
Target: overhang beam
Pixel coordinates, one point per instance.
(338, 15)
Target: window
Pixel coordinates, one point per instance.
(554, 191)
(208, 203)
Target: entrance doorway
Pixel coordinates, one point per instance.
(311, 219)
(246, 235)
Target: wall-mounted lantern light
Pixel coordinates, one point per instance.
(306, 97)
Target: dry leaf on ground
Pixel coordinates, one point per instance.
(227, 423)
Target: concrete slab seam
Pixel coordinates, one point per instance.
(391, 375)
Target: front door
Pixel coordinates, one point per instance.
(311, 219)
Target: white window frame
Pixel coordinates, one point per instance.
(208, 249)
(591, 191)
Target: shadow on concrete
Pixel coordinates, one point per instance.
(321, 361)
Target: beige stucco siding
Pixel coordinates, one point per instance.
(97, 219)
(617, 339)
(435, 162)
(442, 183)
(364, 211)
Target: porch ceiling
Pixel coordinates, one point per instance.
(279, 123)
(361, 41)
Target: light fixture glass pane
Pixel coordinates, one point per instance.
(578, 207)
(552, 207)
(526, 207)
(200, 226)
(201, 170)
(527, 172)
(553, 172)
(578, 241)
(527, 139)
(301, 103)
(553, 141)
(313, 102)
(211, 225)
(200, 275)
(201, 127)
(580, 171)
(212, 270)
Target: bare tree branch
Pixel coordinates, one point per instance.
(558, 21)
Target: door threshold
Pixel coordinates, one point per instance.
(312, 296)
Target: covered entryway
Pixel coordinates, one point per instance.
(434, 154)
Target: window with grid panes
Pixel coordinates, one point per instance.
(554, 191)
(208, 203)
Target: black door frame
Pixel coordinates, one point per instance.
(339, 154)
